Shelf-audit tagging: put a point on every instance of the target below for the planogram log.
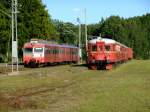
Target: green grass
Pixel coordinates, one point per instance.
(126, 88)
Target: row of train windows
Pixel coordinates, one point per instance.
(107, 48)
(57, 51)
(100, 48)
(50, 51)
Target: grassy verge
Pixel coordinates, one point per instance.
(77, 89)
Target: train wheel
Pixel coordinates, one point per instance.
(26, 66)
(37, 65)
(101, 65)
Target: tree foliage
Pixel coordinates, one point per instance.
(133, 32)
(68, 32)
(33, 22)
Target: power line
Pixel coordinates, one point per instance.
(7, 14)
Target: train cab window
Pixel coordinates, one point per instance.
(37, 50)
(100, 48)
(94, 48)
(28, 50)
(107, 47)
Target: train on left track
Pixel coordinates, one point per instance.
(39, 52)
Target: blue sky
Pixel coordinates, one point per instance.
(69, 10)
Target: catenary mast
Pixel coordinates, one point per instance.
(14, 34)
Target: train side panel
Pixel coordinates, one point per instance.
(37, 53)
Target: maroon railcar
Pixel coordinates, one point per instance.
(41, 53)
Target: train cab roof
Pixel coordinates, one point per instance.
(105, 40)
(41, 44)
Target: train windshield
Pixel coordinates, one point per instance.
(107, 47)
(38, 50)
(28, 50)
(100, 48)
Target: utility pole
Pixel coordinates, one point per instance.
(14, 34)
(80, 49)
(86, 41)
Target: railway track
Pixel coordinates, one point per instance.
(21, 98)
(5, 68)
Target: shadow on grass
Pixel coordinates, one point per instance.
(80, 65)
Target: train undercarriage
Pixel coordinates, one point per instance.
(101, 65)
(34, 64)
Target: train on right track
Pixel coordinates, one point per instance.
(103, 53)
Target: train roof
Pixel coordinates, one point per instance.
(45, 44)
(41, 42)
(105, 40)
(71, 46)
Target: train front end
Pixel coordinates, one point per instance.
(96, 55)
(33, 55)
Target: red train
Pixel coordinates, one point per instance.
(39, 52)
(103, 53)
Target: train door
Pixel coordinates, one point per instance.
(60, 54)
(100, 47)
(113, 53)
(38, 53)
(63, 54)
(110, 54)
(118, 54)
(57, 54)
(108, 51)
(101, 54)
(50, 54)
(71, 54)
(46, 54)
